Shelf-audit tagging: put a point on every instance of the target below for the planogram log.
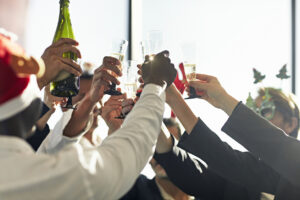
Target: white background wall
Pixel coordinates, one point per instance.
(232, 37)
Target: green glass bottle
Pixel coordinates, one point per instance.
(65, 84)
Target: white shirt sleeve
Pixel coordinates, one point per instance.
(55, 140)
(127, 151)
(76, 172)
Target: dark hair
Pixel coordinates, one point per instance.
(86, 75)
(171, 122)
(21, 124)
(285, 104)
(87, 71)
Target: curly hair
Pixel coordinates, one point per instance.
(285, 104)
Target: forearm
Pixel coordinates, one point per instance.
(181, 109)
(80, 117)
(127, 151)
(231, 164)
(228, 103)
(112, 127)
(265, 141)
(164, 141)
(190, 175)
(41, 82)
(41, 123)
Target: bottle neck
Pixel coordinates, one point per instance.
(64, 3)
(64, 10)
(64, 7)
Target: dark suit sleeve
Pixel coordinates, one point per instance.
(239, 167)
(265, 141)
(190, 175)
(38, 137)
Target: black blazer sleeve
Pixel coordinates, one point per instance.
(239, 167)
(265, 141)
(190, 175)
(38, 137)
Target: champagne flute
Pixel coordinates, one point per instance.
(151, 46)
(189, 52)
(153, 43)
(118, 51)
(190, 73)
(129, 81)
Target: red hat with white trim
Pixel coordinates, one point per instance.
(18, 86)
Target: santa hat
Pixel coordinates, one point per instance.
(17, 87)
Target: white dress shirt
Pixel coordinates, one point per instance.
(76, 172)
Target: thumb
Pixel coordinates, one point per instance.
(101, 91)
(204, 77)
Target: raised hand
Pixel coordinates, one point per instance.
(49, 98)
(55, 63)
(160, 70)
(113, 108)
(103, 77)
(212, 91)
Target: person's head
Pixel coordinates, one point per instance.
(174, 129)
(20, 105)
(285, 112)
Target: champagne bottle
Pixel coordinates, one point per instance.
(65, 84)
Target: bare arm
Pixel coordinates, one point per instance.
(181, 109)
(80, 117)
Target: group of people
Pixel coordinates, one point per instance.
(69, 163)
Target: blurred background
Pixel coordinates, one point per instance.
(228, 38)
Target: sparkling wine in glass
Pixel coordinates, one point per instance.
(189, 53)
(129, 81)
(190, 72)
(118, 51)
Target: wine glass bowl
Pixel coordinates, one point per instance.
(190, 71)
(129, 81)
(152, 44)
(189, 55)
(154, 41)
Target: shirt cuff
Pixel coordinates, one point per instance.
(155, 89)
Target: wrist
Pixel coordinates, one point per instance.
(228, 104)
(164, 142)
(171, 94)
(41, 82)
(90, 98)
(156, 82)
(111, 130)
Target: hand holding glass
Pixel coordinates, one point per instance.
(118, 51)
(190, 71)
